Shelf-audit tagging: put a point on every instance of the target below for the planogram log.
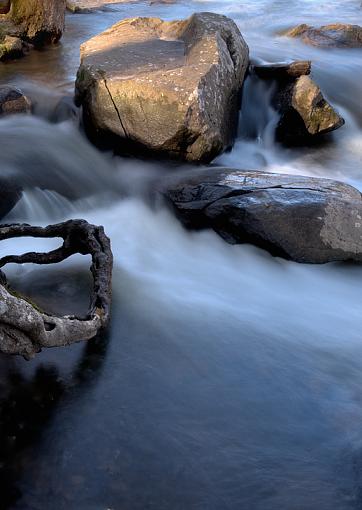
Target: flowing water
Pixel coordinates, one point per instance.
(228, 379)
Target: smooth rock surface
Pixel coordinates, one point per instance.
(12, 101)
(169, 88)
(305, 219)
(336, 35)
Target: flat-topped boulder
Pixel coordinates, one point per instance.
(171, 88)
(304, 219)
(337, 35)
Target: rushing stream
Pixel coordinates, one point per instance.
(229, 379)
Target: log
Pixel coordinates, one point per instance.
(24, 329)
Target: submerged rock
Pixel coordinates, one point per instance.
(172, 88)
(305, 114)
(304, 219)
(12, 101)
(337, 35)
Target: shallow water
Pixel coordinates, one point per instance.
(228, 379)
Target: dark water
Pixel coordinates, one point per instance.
(228, 379)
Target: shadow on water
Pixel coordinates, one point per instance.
(27, 407)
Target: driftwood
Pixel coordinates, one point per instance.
(24, 329)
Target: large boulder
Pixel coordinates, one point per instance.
(38, 21)
(305, 113)
(337, 35)
(12, 101)
(167, 87)
(300, 218)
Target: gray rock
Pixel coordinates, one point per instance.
(304, 219)
(164, 87)
(12, 101)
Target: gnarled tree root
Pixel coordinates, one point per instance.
(24, 329)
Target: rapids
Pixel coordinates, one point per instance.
(228, 379)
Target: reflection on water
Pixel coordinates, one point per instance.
(229, 379)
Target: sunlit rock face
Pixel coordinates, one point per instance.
(305, 219)
(170, 88)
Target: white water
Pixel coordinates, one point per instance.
(230, 379)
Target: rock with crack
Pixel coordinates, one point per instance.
(304, 219)
(337, 35)
(24, 329)
(171, 88)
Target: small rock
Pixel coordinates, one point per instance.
(337, 35)
(11, 48)
(282, 71)
(12, 101)
(305, 114)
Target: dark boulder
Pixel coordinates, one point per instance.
(304, 219)
(10, 194)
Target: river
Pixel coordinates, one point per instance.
(228, 379)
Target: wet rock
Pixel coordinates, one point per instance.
(337, 35)
(84, 6)
(305, 114)
(171, 88)
(299, 218)
(10, 194)
(38, 21)
(11, 48)
(12, 101)
(282, 71)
